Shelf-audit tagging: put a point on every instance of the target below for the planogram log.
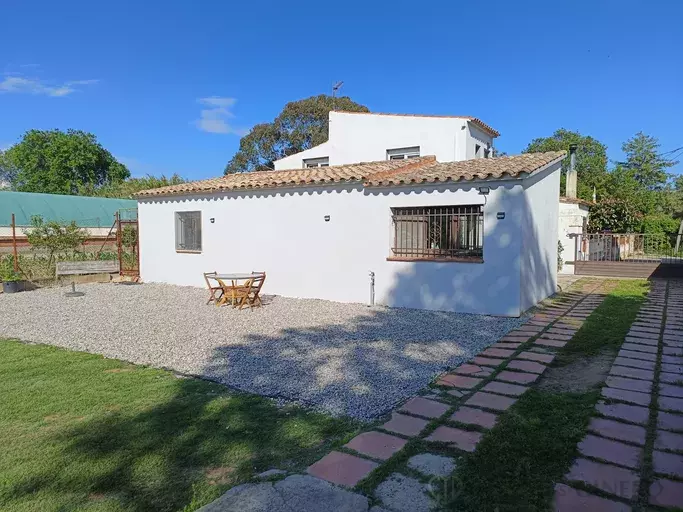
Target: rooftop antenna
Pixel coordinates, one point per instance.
(335, 90)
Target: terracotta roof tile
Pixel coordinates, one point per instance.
(353, 173)
(383, 173)
(468, 170)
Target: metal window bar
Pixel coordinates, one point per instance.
(189, 231)
(440, 232)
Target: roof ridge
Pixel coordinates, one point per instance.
(422, 162)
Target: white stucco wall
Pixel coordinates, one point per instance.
(367, 137)
(539, 236)
(283, 232)
(570, 223)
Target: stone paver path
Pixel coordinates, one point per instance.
(465, 403)
(633, 453)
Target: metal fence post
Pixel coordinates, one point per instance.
(14, 245)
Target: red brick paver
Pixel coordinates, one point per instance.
(630, 384)
(423, 407)
(487, 361)
(568, 499)
(618, 430)
(535, 356)
(459, 381)
(667, 464)
(630, 413)
(406, 425)
(490, 401)
(470, 416)
(666, 493)
(503, 388)
(610, 479)
(635, 373)
(610, 451)
(376, 444)
(517, 377)
(669, 441)
(462, 439)
(671, 404)
(527, 366)
(342, 468)
(497, 352)
(633, 397)
(550, 343)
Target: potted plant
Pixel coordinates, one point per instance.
(11, 280)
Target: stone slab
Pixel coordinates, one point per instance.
(666, 493)
(606, 477)
(669, 441)
(618, 430)
(634, 373)
(471, 416)
(568, 499)
(432, 465)
(665, 463)
(517, 377)
(424, 407)
(631, 413)
(490, 401)
(643, 386)
(405, 425)
(610, 451)
(503, 388)
(459, 381)
(633, 397)
(462, 439)
(400, 493)
(342, 468)
(669, 421)
(526, 366)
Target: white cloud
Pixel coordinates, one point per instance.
(214, 118)
(16, 83)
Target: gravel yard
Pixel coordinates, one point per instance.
(343, 358)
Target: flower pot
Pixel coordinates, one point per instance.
(12, 286)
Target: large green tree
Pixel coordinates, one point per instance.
(126, 189)
(301, 125)
(643, 158)
(591, 159)
(59, 162)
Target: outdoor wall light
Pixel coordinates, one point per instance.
(327, 218)
(484, 191)
(212, 220)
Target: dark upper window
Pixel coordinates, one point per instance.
(438, 232)
(323, 161)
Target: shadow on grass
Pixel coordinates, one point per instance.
(148, 442)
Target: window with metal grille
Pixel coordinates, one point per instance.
(438, 232)
(188, 231)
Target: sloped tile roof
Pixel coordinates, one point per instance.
(470, 170)
(383, 173)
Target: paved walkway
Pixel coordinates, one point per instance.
(633, 455)
(448, 419)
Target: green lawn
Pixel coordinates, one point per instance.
(518, 462)
(80, 432)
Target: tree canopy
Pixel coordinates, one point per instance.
(57, 162)
(643, 159)
(591, 158)
(125, 189)
(301, 125)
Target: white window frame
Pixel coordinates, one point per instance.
(403, 153)
(193, 219)
(312, 163)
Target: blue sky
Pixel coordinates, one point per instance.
(170, 86)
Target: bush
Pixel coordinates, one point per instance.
(614, 215)
(659, 224)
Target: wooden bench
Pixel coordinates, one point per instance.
(80, 268)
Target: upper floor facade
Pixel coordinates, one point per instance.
(368, 137)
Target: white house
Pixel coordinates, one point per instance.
(475, 236)
(369, 137)
(573, 220)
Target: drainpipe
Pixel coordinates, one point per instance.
(372, 288)
(570, 188)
